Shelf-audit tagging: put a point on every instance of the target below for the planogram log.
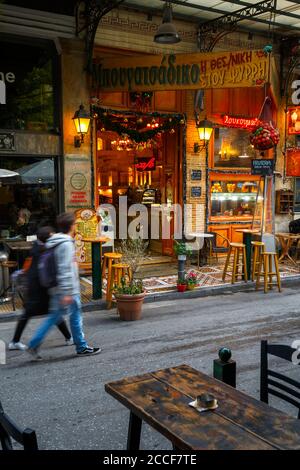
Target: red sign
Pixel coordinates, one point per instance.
(293, 161)
(145, 164)
(243, 123)
(293, 118)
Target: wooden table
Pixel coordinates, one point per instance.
(199, 235)
(286, 240)
(96, 264)
(162, 398)
(247, 239)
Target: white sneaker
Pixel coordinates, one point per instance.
(17, 346)
(69, 342)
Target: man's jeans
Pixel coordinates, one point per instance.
(57, 310)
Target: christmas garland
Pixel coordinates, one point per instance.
(107, 124)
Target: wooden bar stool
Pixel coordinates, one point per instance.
(258, 249)
(118, 270)
(237, 250)
(108, 260)
(267, 258)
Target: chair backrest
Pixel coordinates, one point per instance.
(8, 430)
(223, 240)
(275, 383)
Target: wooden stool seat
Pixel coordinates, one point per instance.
(112, 255)
(266, 260)
(237, 245)
(237, 250)
(258, 249)
(118, 270)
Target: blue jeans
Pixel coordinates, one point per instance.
(57, 311)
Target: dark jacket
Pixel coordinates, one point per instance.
(37, 302)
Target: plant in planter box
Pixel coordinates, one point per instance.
(191, 280)
(181, 284)
(130, 295)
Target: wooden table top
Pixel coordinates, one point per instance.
(287, 235)
(96, 239)
(247, 230)
(162, 398)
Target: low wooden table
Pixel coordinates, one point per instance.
(96, 263)
(286, 240)
(162, 398)
(247, 239)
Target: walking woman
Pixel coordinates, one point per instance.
(37, 298)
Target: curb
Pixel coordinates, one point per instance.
(202, 292)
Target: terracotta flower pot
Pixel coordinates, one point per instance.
(130, 306)
(181, 287)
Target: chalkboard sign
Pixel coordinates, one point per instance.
(196, 175)
(262, 167)
(196, 191)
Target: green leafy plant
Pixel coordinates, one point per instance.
(133, 287)
(181, 248)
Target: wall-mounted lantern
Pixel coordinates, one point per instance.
(205, 128)
(81, 121)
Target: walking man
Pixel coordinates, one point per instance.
(65, 296)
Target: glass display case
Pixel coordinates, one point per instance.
(232, 199)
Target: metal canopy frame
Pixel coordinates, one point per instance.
(92, 11)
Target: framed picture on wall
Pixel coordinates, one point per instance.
(293, 118)
(293, 161)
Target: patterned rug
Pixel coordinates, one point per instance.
(208, 276)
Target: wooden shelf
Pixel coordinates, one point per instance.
(284, 202)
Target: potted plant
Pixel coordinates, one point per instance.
(130, 294)
(181, 285)
(191, 280)
(181, 250)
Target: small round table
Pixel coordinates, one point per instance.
(286, 240)
(199, 235)
(96, 263)
(247, 239)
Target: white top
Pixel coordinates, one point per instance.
(200, 235)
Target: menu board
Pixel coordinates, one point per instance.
(262, 167)
(86, 222)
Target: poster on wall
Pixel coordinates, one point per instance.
(293, 161)
(86, 222)
(77, 182)
(293, 118)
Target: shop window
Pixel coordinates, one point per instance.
(28, 71)
(232, 148)
(29, 199)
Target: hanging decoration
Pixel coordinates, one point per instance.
(141, 101)
(264, 136)
(109, 121)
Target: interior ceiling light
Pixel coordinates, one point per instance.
(166, 33)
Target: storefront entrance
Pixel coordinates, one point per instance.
(147, 174)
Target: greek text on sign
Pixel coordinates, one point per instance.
(242, 123)
(182, 71)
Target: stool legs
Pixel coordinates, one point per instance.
(267, 261)
(226, 264)
(245, 264)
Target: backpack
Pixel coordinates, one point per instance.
(47, 268)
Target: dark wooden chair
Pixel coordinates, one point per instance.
(275, 383)
(8, 430)
(218, 244)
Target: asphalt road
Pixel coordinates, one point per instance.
(63, 396)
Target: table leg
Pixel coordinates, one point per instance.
(96, 270)
(134, 432)
(247, 237)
